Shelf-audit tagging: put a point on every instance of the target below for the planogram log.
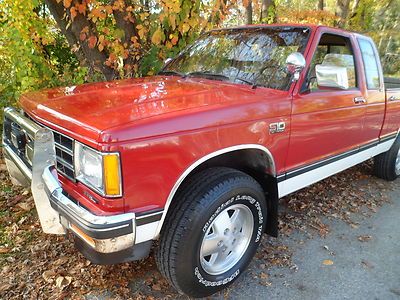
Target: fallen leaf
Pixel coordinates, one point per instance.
(25, 206)
(48, 276)
(266, 283)
(63, 282)
(364, 238)
(4, 250)
(327, 262)
(156, 287)
(366, 264)
(5, 286)
(354, 226)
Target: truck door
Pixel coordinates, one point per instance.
(327, 115)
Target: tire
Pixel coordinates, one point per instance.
(387, 164)
(208, 202)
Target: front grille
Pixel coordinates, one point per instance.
(64, 147)
(64, 154)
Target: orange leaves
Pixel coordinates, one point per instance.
(81, 8)
(77, 8)
(97, 13)
(92, 41)
(84, 31)
(73, 12)
(67, 3)
(102, 42)
(82, 36)
(108, 9)
(111, 59)
(174, 39)
(118, 5)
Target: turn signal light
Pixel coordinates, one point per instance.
(112, 175)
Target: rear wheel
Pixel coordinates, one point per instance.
(387, 164)
(212, 232)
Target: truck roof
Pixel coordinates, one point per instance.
(306, 25)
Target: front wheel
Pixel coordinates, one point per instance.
(212, 232)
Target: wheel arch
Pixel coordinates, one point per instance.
(252, 159)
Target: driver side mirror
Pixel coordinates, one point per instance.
(295, 63)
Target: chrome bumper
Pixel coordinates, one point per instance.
(57, 212)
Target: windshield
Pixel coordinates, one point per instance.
(253, 56)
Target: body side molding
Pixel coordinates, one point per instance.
(202, 160)
(300, 178)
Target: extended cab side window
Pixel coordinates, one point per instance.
(333, 65)
(370, 64)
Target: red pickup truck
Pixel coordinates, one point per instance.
(198, 156)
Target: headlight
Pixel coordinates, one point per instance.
(99, 171)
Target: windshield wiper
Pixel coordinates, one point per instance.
(208, 74)
(244, 80)
(170, 72)
(220, 76)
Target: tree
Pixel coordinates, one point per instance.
(268, 11)
(124, 38)
(249, 11)
(342, 11)
(80, 32)
(320, 5)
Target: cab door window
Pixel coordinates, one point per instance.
(333, 65)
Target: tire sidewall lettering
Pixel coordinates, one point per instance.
(256, 208)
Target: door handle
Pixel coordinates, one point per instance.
(358, 100)
(393, 98)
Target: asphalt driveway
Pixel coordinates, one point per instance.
(349, 263)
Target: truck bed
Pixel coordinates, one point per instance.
(392, 83)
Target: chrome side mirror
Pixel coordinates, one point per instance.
(167, 61)
(295, 63)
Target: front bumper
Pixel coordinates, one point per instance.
(97, 235)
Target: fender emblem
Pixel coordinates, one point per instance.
(277, 127)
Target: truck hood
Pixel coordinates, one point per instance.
(87, 111)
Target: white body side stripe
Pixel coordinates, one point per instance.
(307, 178)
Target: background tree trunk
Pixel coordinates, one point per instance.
(342, 11)
(129, 28)
(249, 12)
(91, 57)
(320, 5)
(267, 6)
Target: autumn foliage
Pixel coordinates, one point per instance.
(123, 38)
